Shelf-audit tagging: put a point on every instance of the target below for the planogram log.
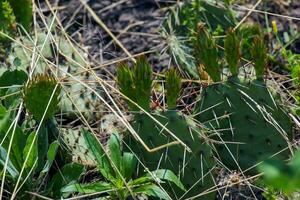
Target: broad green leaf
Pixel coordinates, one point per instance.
(19, 138)
(95, 147)
(51, 156)
(115, 151)
(12, 99)
(168, 175)
(277, 174)
(152, 190)
(129, 165)
(140, 181)
(43, 145)
(87, 188)
(69, 173)
(12, 78)
(10, 167)
(30, 153)
(4, 120)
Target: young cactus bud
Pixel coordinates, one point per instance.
(232, 51)
(173, 86)
(37, 94)
(136, 84)
(125, 82)
(259, 56)
(206, 53)
(142, 80)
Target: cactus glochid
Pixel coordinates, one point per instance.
(243, 114)
(194, 168)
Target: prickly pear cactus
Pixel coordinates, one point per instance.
(76, 98)
(42, 94)
(185, 152)
(243, 114)
(75, 143)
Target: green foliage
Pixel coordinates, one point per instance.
(232, 51)
(173, 87)
(69, 173)
(136, 83)
(118, 170)
(215, 14)
(206, 53)
(282, 176)
(41, 96)
(22, 159)
(11, 83)
(182, 20)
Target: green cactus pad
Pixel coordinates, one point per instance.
(193, 168)
(247, 118)
(37, 94)
(75, 143)
(76, 98)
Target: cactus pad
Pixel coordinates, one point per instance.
(249, 121)
(75, 143)
(193, 168)
(76, 98)
(37, 94)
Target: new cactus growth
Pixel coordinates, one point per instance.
(173, 87)
(232, 51)
(259, 55)
(206, 53)
(243, 114)
(41, 96)
(136, 83)
(193, 167)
